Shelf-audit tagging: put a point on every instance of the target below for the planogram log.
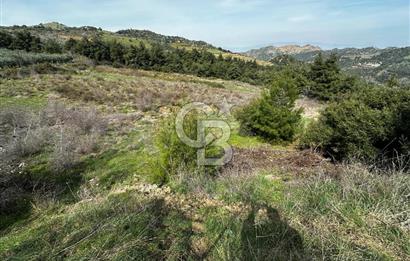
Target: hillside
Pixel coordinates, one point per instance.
(373, 64)
(110, 150)
(93, 189)
(270, 52)
(131, 37)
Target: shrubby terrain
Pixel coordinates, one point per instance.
(91, 166)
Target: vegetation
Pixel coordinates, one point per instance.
(10, 58)
(372, 64)
(175, 154)
(327, 82)
(24, 40)
(272, 116)
(55, 138)
(370, 124)
(91, 165)
(164, 58)
(159, 56)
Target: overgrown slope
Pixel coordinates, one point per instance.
(270, 202)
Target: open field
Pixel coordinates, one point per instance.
(270, 202)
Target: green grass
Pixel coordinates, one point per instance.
(26, 102)
(352, 218)
(117, 227)
(357, 216)
(251, 142)
(240, 141)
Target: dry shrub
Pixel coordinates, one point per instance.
(64, 156)
(61, 133)
(29, 142)
(70, 131)
(22, 132)
(149, 99)
(88, 144)
(145, 100)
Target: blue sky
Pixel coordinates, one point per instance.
(234, 24)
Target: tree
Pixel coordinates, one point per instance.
(52, 46)
(393, 81)
(326, 80)
(117, 52)
(371, 123)
(157, 56)
(5, 39)
(25, 41)
(70, 45)
(83, 47)
(273, 116)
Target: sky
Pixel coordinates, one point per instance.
(237, 25)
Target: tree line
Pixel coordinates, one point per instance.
(160, 57)
(24, 40)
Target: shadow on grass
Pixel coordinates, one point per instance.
(270, 238)
(18, 191)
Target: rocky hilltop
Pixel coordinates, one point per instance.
(269, 52)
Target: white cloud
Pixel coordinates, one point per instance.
(235, 6)
(301, 18)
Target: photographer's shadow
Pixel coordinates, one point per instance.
(265, 236)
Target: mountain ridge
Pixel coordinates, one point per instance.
(373, 64)
(284, 49)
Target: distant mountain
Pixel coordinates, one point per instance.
(270, 52)
(373, 64)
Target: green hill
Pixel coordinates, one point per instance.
(62, 33)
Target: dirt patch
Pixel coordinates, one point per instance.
(296, 162)
(311, 107)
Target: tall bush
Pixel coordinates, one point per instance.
(327, 82)
(175, 155)
(273, 116)
(371, 123)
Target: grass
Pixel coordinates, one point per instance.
(120, 226)
(298, 219)
(352, 214)
(361, 216)
(22, 58)
(239, 140)
(134, 90)
(34, 103)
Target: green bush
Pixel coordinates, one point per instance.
(326, 80)
(175, 155)
(52, 46)
(273, 116)
(372, 123)
(21, 58)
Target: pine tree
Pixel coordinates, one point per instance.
(5, 39)
(273, 117)
(324, 76)
(70, 45)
